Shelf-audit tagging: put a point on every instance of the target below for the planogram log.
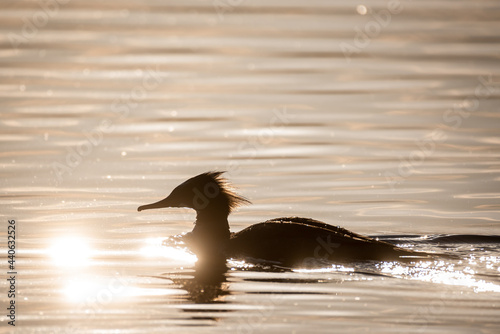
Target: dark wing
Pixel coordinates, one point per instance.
(294, 241)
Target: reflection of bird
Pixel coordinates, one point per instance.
(206, 284)
(291, 241)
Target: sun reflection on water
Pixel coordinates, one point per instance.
(451, 273)
(70, 252)
(442, 272)
(77, 291)
(155, 248)
(333, 268)
(73, 255)
(105, 290)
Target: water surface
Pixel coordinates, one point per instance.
(379, 119)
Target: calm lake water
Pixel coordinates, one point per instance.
(379, 116)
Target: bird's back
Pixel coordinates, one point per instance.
(299, 241)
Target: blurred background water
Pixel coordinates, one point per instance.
(379, 116)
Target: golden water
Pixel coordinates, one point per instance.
(378, 116)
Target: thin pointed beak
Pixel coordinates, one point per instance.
(164, 203)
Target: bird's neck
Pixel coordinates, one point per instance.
(211, 227)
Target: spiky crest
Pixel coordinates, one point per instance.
(234, 200)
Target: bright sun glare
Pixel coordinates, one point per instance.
(155, 248)
(70, 252)
(75, 252)
(78, 291)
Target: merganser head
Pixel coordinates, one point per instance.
(205, 192)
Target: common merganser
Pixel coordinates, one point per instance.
(290, 241)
